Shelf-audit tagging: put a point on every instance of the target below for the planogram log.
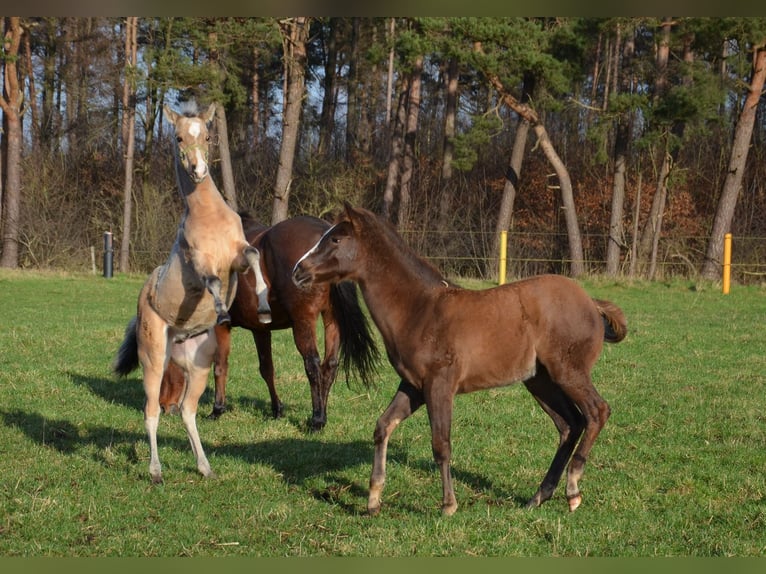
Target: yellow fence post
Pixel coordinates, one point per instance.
(726, 263)
(503, 257)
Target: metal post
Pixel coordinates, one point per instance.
(108, 254)
(503, 257)
(726, 263)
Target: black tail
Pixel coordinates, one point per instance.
(358, 350)
(126, 360)
(615, 324)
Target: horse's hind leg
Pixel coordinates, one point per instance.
(253, 257)
(221, 373)
(304, 335)
(569, 422)
(196, 356)
(172, 389)
(405, 402)
(153, 355)
(596, 412)
(266, 368)
(328, 370)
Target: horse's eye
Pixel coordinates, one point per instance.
(207, 138)
(335, 240)
(179, 139)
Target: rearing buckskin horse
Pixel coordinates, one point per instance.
(348, 342)
(184, 299)
(443, 340)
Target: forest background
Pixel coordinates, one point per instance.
(618, 146)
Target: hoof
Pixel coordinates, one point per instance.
(216, 412)
(264, 317)
(157, 479)
(316, 425)
(223, 319)
(574, 501)
(211, 476)
(278, 411)
(449, 509)
(373, 510)
(535, 502)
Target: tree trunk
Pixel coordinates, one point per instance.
(448, 147)
(512, 175)
(450, 111)
(410, 135)
(653, 227)
(577, 260)
(352, 96)
(255, 96)
(227, 172)
(295, 33)
(615, 241)
(395, 158)
(390, 71)
(711, 268)
(327, 116)
(11, 101)
(129, 130)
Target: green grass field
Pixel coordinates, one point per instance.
(679, 470)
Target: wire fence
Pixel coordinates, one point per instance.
(474, 254)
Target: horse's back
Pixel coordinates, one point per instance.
(285, 243)
(498, 335)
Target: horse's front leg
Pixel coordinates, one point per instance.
(214, 286)
(405, 402)
(439, 401)
(253, 257)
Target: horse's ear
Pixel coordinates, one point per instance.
(170, 114)
(208, 116)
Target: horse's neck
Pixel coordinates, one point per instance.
(204, 197)
(185, 184)
(401, 285)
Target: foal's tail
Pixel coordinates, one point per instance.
(615, 324)
(126, 360)
(358, 350)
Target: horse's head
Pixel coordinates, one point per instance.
(334, 257)
(193, 140)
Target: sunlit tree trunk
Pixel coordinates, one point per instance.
(295, 33)
(129, 131)
(574, 237)
(615, 239)
(743, 133)
(653, 228)
(512, 175)
(11, 101)
(329, 98)
(410, 133)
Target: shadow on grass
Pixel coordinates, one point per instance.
(124, 391)
(129, 392)
(297, 460)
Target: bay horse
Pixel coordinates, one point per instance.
(184, 298)
(347, 338)
(443, 340)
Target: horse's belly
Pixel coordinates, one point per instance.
(184, 303)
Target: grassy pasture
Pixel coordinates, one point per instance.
(679, 470)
